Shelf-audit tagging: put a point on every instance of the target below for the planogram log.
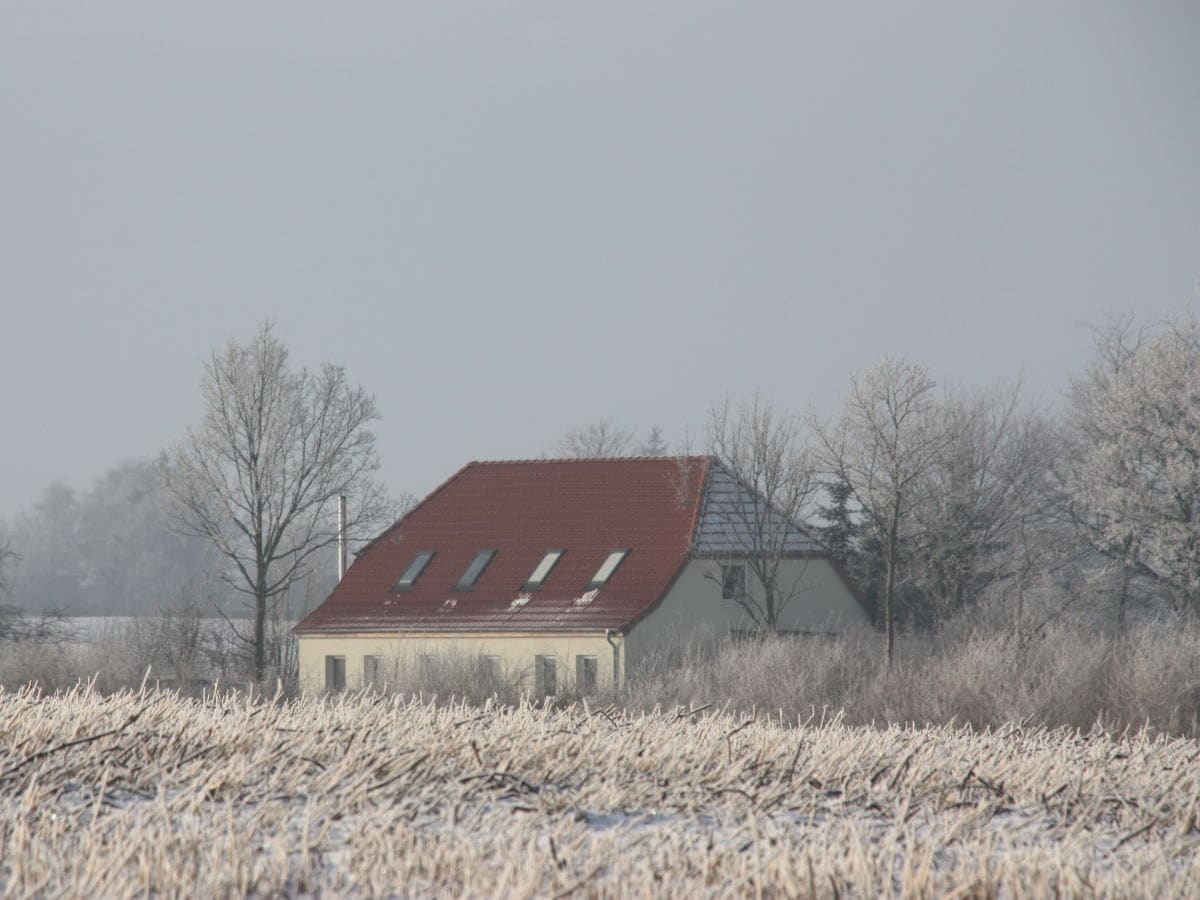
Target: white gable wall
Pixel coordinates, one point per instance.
(693, 608)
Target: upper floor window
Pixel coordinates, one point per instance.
(414, 570)
(474, 570)
(605, 572)
(543, 569)
(733, 584)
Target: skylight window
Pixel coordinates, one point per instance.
(474, 570)
(549, 561)
(414, 570)
(614, 559)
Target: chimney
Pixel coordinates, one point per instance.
(341, 536)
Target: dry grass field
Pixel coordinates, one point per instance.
(144, 793)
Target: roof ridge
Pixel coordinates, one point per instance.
(585, 459)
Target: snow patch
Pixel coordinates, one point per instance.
(587, 597)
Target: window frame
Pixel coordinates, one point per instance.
(530, 584)
(462, 584)
(400, 587)
(597, 581)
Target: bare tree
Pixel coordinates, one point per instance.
(260, 476)
(987, 496)
(883, 446)
(756, 499)
(597, 439)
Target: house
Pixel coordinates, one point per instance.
(573, 571)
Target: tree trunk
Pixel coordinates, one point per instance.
(1126, 577)
(889, 623)
(1122, 599)
(260, 629)
(889, 585)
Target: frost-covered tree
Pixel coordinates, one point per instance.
(985, 494)
(1117, 547)
(1138, 482)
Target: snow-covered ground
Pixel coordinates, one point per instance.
(374, 796)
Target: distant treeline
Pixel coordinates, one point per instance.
(108, 551)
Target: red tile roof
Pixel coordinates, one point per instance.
(522, 509)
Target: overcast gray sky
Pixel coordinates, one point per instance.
(508, 218)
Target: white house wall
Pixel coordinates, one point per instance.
(694, 608)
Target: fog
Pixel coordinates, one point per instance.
(507, 219)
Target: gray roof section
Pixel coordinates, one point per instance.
(729, 517)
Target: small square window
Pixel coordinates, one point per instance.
(474, 570)
(585, 674)
(733, 584)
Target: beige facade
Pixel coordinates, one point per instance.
(515, 653)
(693, 607)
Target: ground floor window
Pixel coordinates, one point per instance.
(372, 670)
(585, 674)
(335, 673)
(427, 668)
(489, 667)
(545, 676)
